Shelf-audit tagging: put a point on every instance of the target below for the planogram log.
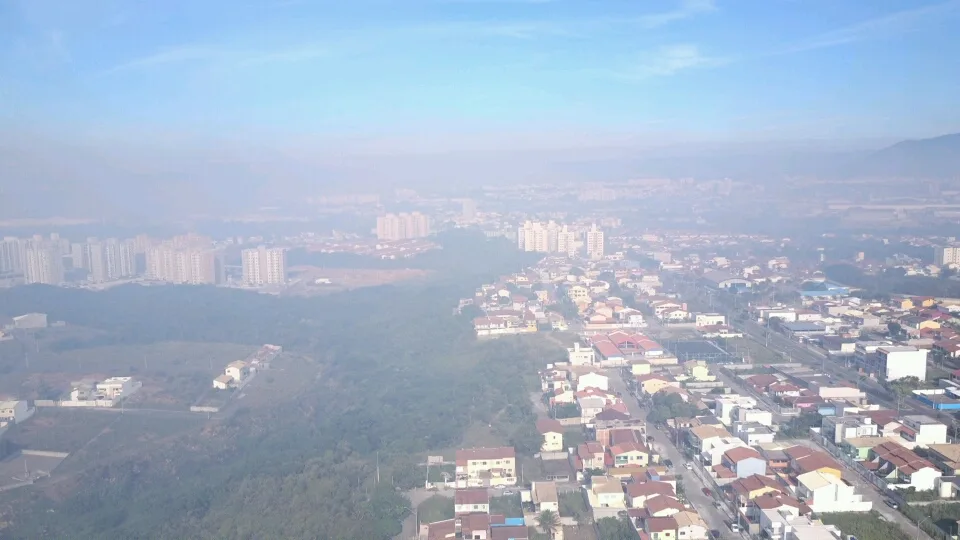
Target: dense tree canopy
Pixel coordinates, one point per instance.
(401, 376)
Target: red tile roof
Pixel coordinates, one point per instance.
(660, 524)
(549, 425)
(736, 455)
(471, 496)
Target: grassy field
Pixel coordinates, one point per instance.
(865, 526)
(436, 508)
(508, 505)
(175, 367)
(59, 430)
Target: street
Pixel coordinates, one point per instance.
(692, 481)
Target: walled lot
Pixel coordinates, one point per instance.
(12, 469)
(348, 278)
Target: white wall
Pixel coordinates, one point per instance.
(902, 364)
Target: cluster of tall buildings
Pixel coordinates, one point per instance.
(555, 238)
(47, 259)
(403, 226)
(264, 266)
(188, 259)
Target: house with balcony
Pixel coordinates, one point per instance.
(749, 488)
(590, 455)
(485, 467)
(630, 453)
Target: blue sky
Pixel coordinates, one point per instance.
(714, 69)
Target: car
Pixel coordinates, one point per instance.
(718, 504)
(707, 492)
(688, 465)
(735, 527)
(715, 533)
(892, 504)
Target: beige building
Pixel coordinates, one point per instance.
(403, 226)
(191, 265)
(486, 466)
(264, 266)
(595, 243)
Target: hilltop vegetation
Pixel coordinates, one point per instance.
(401, 376)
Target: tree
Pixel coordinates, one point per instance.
(549, 521)
(566, 410)
(894, 329)
(616, 529)
(666, 406)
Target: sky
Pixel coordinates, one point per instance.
(384, 72)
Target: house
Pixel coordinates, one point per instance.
(660, 528)
(222, 382)
(700, 437)
(639, 492)
(592, 380)
(827, 493)
(804, 459)
(744, 462)
(471, 501)
(630, 453)
(841, 428)
(15, 411)
(946, 457)
(606, 492)
(753, 486)
(690, 526)
(477, 526)
(904, 468)
(663, 506)
(923, 430)
(545, 496)
(552, 433)
(698, 370)
(236, 370)
(590, 455)
(486, 466)
(581, 356)
(651, 384)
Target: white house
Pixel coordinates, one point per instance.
(581, 356)
(710, 319)
(902, 361)
(115, 387)
(552, 433)
(592, 380)
(222, 382)
(824, 492)
(236, 370)
(15, 411)
(925, 430)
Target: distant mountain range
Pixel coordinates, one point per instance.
(936, 158)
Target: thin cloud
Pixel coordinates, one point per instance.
(672, 59)
(224, 57)
(896, 23)
(686, 10)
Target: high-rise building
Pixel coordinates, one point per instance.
(567, 242)
(43, 263)
(264, 266)
(595, 242)
(195, 265)
(403, 226)
(109, 260)
(535, 236)
(469, 207)
(11, 255)
(943, 256)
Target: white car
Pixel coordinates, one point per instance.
(688, 465)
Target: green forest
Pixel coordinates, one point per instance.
(402, 375)
(893, 281)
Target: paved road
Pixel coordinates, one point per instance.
(798, 352)
(692, 481)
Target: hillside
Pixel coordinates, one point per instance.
(935, 158)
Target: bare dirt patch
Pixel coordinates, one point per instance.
(314, 280)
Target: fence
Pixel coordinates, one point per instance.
(864, 473)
